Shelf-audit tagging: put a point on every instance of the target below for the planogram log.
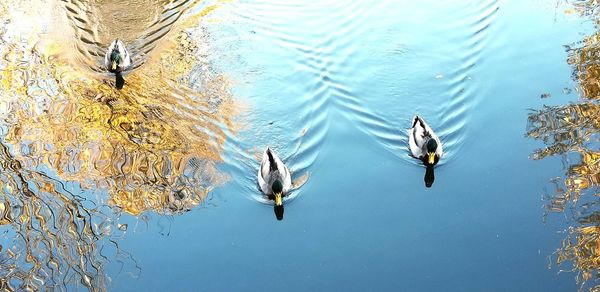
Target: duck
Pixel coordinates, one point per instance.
(117, 60)
(274, 180)
(425, 145)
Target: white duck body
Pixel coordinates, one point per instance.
(419, 135)
(124, 54)
(270, 170)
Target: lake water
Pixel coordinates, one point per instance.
(153, 187)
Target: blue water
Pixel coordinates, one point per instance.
(332, 86)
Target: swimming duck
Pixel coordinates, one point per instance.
(274, 180)
(117, 60)
(425, 145)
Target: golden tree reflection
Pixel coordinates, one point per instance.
(572, 131)
(56, 234)
(153, 146)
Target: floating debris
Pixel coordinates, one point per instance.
(303, 131)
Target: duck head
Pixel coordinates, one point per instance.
(278, 193)
(431, 148)
(115, 60)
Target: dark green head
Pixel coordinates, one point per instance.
(431, 145)
(277, 187)
(115, 56)
(430, 156)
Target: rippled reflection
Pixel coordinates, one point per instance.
(75, 152)
(139, 23)
(57, 234)
(572, 132)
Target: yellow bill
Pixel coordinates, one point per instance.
(431, 157)
(114, 65)
(278, 200)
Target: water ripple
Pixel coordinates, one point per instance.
(325, 54)
(78, 154)
(309, 48)
(446, 89)
(95, 25)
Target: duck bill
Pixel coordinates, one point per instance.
(114, 65)
(431, 158)
(278, 200)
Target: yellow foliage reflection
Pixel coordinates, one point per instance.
(55, 230)
(153, 146)
(572, 131)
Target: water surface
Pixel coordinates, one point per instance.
(153, 187)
